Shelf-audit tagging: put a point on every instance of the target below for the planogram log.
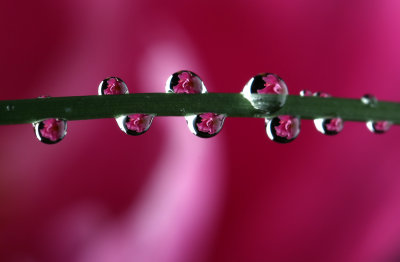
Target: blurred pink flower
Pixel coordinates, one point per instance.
(188, 84)
(115, 87)
(272, 86)
(335, 124)
(210, 123)
(139, 122)
(289, 126)
(53, 129)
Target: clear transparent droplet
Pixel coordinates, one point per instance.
(379, 127)
(135, 124)
(113, 86)
(369, 100)
(328, 126)
(185, 82)
(282, 129)
(306, 93)
(205, 125)
(266, 83)
(50, 131)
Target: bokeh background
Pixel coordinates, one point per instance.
(100, 195)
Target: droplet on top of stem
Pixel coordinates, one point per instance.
(266, 84)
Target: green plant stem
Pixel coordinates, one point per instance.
(160, 104)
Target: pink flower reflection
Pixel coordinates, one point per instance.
(335, 124)
(211, 123)
(272, 85)
(188, 84)
(53, 129)
(115, 87)
(382, 126)
(288, 127)
(139, 122)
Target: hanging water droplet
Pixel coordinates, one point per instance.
(306, 93)
(135, 124)
(369, 100)
(328, 126)
(205, 125)
(266, 83)
(50, 131)
(185, 82)
(283, 129)
(113, 86)
(379, 127)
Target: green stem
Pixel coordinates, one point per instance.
(160, 104)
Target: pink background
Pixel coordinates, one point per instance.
(100, 195)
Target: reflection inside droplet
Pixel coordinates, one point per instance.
(205, 125)
(266, 83)
(135, 124)
(50, 131)
(283, 129)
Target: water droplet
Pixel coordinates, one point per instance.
(185, 82)
(283, 129)
(50, 131)
(306, 93)
(379, 127)
(266, 83)
(369, 100)
(205, 125)
(328, 126)
(135, 124)
(113, 86)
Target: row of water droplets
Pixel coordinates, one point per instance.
(281, 129)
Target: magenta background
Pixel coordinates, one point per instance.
(100, 195)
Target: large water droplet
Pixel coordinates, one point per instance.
(369, 100)
(379, 127)
(185, 82)
(205, 125)
(266, 83)
(328, 126)
(135, 124)
(283, 129)
(50, 131)
(113, 86)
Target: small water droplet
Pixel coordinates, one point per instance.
(205, 125)
(50, 131)
(328, 126)
(113, 86)
(306, 93)
(266, 83)
(135, 124)
(369, 100)
(185, 82)
(379, 127)
(282, 129)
